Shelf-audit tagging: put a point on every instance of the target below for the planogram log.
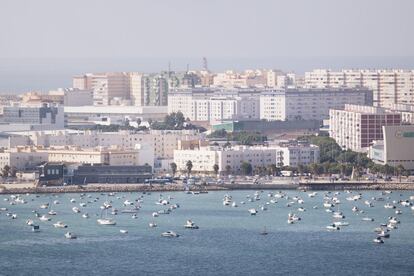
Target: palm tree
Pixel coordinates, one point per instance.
(228, 169)
(246, 168)
(189, 166)
(173, 168)
(400, 171)
(216, 168)
(5, 171)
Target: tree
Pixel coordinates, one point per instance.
(216, 168)
(189, 166)
(246, 168)
(315, 169)
(400, 170)
(13, 172)
(173, 168)
(228, 169)
(5, 171)
(388, 170)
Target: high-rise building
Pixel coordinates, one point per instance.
(355, 127)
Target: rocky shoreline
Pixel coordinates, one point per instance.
(99, 188)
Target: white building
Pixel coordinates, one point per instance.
(356, 127)
(204, 158)
(77, 97)
(397, 148)
(388, 86)
(308, 104)
(215, 105)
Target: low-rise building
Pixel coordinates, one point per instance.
(204, 158)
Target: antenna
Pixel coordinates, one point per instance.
(205, 64)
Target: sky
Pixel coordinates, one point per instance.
(212, 28)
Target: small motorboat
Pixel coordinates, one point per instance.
(190, 225)
(70, 236)
(44, 206)
(367, 219)
(106, 221)
(152, 224)
(134, 216)
(86, 215)
(52, 213)
(76, 210)
(252, 211)
(29, 222)
(170, 234)
(378, 240)
(332, 227)
(44, 218)
(60, 224)
(384, 234)
(123, 231)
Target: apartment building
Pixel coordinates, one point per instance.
(308, 104)
(215, 105)
(355, 127)
(204, 158)
(388, 86)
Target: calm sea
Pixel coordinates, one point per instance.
(21, 75)
(227, 243)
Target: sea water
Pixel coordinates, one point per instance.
(228, 241)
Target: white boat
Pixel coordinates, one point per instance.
(14, 216)
(378, 240)
(60, 224)
(190, 225)
(383, 234)
(134, 216)
(152, 224)
(398, 212)
(106, 221)
(44, 218)
(338, 216)
(56, 202)
(234, 204)
(328, 205)
(355, 209)
(127, 202)
(391, 226)
(44, 206)
(86, 215)
(52, 213)
(253, 211)
(393, 220)
(341, 223)
(312, 194)
(170, 234)
(389, 206)
(73, 200)
(76, 210)
(155, 214)
(301, 209)
(367, 219)
(332, 227)
(263, 208)
(70, 236)
(29, 222)
(123, 231)
(82, 204)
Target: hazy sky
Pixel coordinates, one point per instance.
(213, 28)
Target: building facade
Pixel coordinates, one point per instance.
(356, 127)
(308, 104)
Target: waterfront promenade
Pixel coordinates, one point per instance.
(242, 185)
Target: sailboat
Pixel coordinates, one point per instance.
(106, 220)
